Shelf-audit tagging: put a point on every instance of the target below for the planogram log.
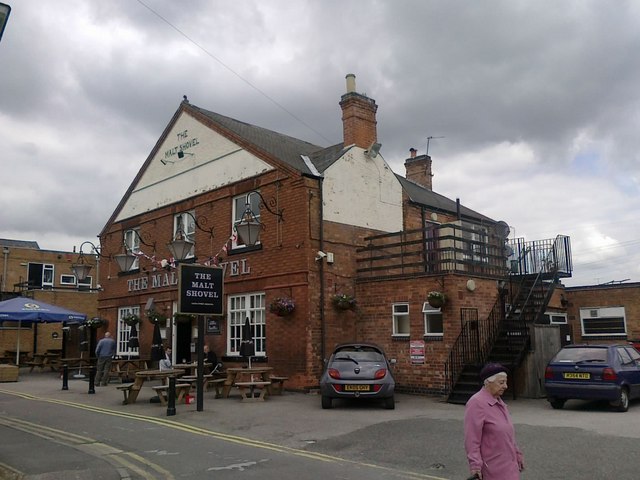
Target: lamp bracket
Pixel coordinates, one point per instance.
(141, 238)
(201, 223)
(278, 211)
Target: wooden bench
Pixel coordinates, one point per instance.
(182, 389)
(247, 390)
(35, 363)
(277, 384)
(218, 384)
(126, 388)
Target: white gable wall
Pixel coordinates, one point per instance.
(362, 191)
(215, 162)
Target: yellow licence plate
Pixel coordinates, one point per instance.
(576, 376)
(357, 388)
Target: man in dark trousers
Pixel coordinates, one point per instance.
(105, 350)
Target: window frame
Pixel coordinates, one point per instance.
(86, 284)
(550, 316)
(398, 316)
(68, 279)
(131, 239)
(599, 313)
(250, 305)
(48, 272)
(123, 332)
(238, 207)
(427, 311)
(186, 222)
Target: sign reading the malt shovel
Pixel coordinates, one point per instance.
(200, 290)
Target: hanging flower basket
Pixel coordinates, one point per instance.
(132, 320)
(436, 299)
(343, 301)
(282, 306)
(95, 322)
(156, 317)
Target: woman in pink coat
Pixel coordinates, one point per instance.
(489, 436)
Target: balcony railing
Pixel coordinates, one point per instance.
(436, 249)
(543, 257)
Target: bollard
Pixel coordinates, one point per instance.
(65, 377)
(92, 377)
(171, 397)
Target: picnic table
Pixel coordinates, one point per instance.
(42, 360)
(131, 390)
(247, 380)
(124, 368)
(190, 368)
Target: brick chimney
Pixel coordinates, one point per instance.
(418, 168)
(358, 116)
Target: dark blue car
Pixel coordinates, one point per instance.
(594, 372)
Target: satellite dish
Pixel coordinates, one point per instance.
(502, 229)
(508, 251)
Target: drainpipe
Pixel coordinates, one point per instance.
(322, 282)
(5, 252)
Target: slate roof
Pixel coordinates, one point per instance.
(424, 196)
(290, 150)
(283, 147)
(5, 242)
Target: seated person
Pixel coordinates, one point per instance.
(165, 363)
(212, 358)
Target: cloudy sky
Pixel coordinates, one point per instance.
(533, 106)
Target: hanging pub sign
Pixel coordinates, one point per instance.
(200, 290)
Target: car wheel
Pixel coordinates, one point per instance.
(557, 403)
(327, 402)
(622, 405)
(390, 403)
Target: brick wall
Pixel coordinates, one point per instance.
(625, 295)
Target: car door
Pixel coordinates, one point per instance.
(633, 371)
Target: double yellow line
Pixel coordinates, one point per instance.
(75, 440)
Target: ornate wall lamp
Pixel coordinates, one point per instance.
(127, 259)
(249, 227)
(181, 246)
(81, 268)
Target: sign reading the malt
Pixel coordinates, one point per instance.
(200, 290)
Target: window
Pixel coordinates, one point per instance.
(67, 279)
(239, 207)
(555, 318)
(433, 326)
(132, 243)
(241, 307)
(184, 224)
(604, 321)
(85, 284)
(124, 331)
(40, 275)
(401, 319)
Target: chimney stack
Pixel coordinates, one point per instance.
(358, 116)
(418, 168)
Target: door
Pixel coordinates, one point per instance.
(183, 341)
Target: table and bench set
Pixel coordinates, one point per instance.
(254, 384)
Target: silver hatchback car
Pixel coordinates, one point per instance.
(358, 370)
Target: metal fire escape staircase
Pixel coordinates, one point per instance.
(505, 336)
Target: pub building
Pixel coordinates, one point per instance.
(316, 246)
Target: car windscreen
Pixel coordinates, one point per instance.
(581, 354)
(359, 355)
